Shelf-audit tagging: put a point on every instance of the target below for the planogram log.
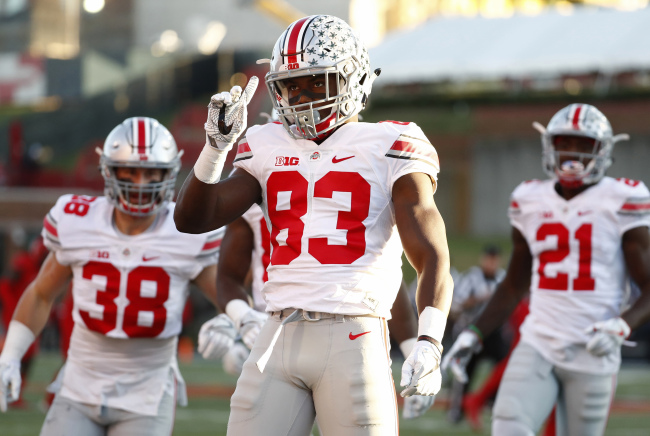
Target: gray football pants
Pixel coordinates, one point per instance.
(337, 367)
(67, 417)
(531, 386)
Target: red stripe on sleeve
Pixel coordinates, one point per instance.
(142, 140)
(49, 227)
(211, 245)
(576, 117)
(293, 40)
(514, 204)
(243, 147)
(420, 149)
(636, 206)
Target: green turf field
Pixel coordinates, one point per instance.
(207, 413)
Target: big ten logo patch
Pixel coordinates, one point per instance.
(286, 161)
(101, 254)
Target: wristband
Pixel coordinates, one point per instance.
(432, 323)
(19, 339)
(407, 346)
(476, 330)
(236, 309)
(435, 343)
(209, 165)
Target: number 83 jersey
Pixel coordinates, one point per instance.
(578, 275)
(335, 246)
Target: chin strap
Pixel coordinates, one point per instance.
(541, 129)
(620, 137)
(367, 85)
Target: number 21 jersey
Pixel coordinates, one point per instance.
(578, 272)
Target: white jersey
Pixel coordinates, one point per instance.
(129, 294)
(261, 255)
(578, 272)
(335, 246)
(473, 284)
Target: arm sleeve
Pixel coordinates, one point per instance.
(50, 231)
(209, 253)
(412, 152)
(635, 210)
(515, 214)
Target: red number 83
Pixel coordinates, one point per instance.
(290, 219)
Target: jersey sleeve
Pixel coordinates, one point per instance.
(514, 209)
(412, 152)
(244, 157)
(50, 231)
(635, 210)
(209, 253)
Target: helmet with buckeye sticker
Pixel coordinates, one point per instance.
(319, 45)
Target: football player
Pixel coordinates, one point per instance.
(576, 237)
(130, 270)
(342, 198)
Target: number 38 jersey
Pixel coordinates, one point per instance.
(335, 246)
(578, 273)
(129, 294)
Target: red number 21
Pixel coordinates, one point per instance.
(584, 281)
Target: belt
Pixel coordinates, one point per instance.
(293, 315)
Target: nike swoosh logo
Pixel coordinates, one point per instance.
(353, 337)
(147, 259)
(335, 160)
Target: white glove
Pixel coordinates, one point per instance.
(460, 354)
(227, 115)
(216, 337)
(421, 370)
(250, 326)
(417, 405)
(233, 361)
(10, 382)
(608, 336)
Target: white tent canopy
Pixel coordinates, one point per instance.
(549, 44)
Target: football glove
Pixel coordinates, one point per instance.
(233, 361)
(216, 337)
(417, 405)
(10, 382)
(608, 336)
(421, 370)
(227, 115)
(460, 354)
(251, 325)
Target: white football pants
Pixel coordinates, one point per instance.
(531, 386)
(67, 417)
(337, 367)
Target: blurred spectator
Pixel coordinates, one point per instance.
(23, 269)
(471, 293)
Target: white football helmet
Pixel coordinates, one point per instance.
(320, 45)
(582, 168)
(139, 142)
